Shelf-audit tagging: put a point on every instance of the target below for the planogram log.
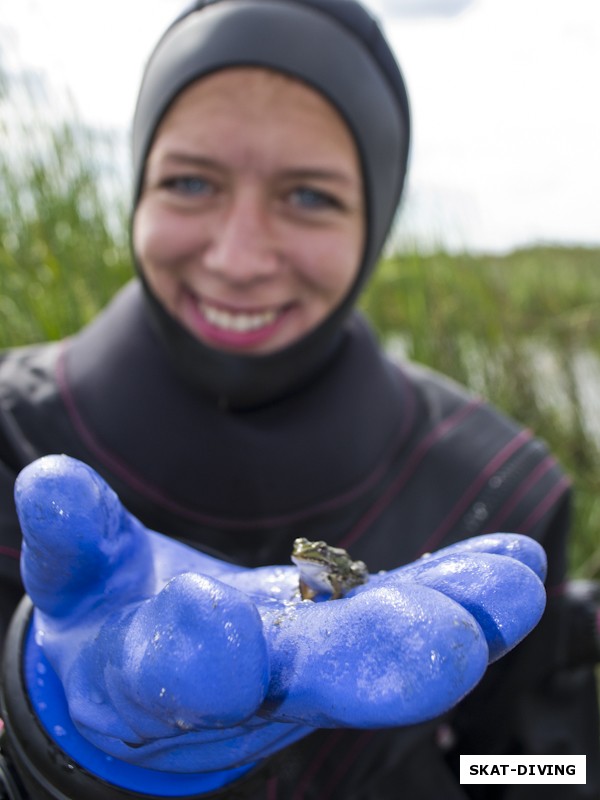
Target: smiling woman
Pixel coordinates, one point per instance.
(233, 396)
(250, 242)
(353, 196)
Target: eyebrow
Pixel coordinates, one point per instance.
(192, 160)
(319, 173)
(294, 173)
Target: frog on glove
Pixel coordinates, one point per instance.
(177, 661)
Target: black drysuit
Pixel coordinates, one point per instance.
(388, 460)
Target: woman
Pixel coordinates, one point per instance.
(234, 398)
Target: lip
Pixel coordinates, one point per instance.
(233, 327)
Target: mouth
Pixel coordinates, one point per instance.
(242, 322)
(234, 328)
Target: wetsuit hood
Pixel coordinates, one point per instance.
(335, 47)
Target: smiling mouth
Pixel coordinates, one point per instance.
(238, 322)
(238, 329)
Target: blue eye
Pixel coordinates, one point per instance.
(312, 199)
(189, 185)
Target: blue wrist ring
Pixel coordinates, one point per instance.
(38, 729)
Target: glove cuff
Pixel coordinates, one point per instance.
(51, 757)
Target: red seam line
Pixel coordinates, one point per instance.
(90, 441)
(314, 766)
(359, 745)
(272, 788)
(556, 591)
(417, 456)
(500, 458)
(10, 552)
(155, 495)
(542, 468)
(538, 512)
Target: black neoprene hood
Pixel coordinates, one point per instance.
(335, 47)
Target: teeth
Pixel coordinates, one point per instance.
(240, 323)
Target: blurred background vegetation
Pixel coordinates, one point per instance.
(520, 329)
(523, 330)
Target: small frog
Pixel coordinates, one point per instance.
(325, 569)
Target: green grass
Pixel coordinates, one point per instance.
(523, 331)
(514, 328)
(63, 253)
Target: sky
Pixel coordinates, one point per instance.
(506, 120)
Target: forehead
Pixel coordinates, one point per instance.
(242, 96)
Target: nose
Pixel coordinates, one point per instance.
(242, 248)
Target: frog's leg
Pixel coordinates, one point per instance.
(306, 593)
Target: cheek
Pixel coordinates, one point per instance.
(162, 240)
(158, 251)
(330, 265)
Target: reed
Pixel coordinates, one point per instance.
(63, 240)
(520, 329)
(523, 331)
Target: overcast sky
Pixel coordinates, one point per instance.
(504, 96)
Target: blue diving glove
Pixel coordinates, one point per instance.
(175, 661)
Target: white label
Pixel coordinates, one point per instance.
(522, 769)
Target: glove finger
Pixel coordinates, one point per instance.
(206, 751)
(506, 597)
(78, 540)
(199, 751)
(522, 548)
(393, 655)
(193, 656)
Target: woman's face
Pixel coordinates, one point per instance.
(251, 221)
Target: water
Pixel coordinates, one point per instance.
(568, 389)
